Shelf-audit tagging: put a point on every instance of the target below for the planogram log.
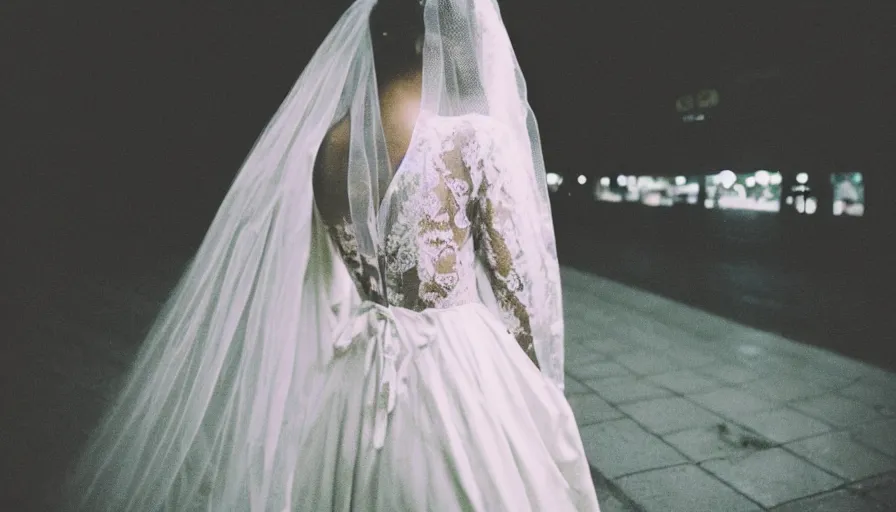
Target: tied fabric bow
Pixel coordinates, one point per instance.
(389, 351)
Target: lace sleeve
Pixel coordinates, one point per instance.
(497, 236)
(444, 227)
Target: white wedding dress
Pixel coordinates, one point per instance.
(430, 403)
(353, 337)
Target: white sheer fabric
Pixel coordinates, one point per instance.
(356, 345)
(450, 205)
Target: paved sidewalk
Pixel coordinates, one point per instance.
(684, 411)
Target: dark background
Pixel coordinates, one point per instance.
(125, 126)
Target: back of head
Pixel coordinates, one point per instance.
(397, 30)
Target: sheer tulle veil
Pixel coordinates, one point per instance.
(223, 387)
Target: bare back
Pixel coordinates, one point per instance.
(399, 110)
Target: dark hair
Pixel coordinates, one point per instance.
(396, 26)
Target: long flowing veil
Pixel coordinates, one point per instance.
(220, 395)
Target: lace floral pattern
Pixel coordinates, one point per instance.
(363, 269)
(448, 206)
(497, 242)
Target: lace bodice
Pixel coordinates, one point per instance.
(445, 207)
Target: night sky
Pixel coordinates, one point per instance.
(161, 104)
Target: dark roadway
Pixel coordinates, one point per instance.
(840, 308)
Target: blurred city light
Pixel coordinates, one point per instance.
(554, 181)
(760, 190)
(727, 178)
(811, 205)
(729, 191)
(849, 194)
(655, 191)
(582, 179)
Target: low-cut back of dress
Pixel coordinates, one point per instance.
(444, 207)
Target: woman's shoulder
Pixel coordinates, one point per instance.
(338, 137)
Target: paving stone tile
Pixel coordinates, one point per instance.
(682, 488)
(574, 350)
(837, 410)
(763, 363)
(574, 387)
(582, 357)
(729, 373)
(647, 363)
(651, 341)
(791, 354)
(880, 435)
(842, 500)
(879, 397)
(609, 346)
(836, 365)
(714, 442)
(577, 333)
(665, 415)
(608, 494)
(684, 382)
(581, 312)
(782, 388)
(609, 503)
(598, 316)
(772, 477)
(714, 328)
(731, 402)
(618, 390)
(839, 454)
(600, 370)
(881, 488)
(782, 425)
(656, 327)
(879, 375)
(824, 379)
(621, 447)
(580, 332)
(590, 408)
(690, 358)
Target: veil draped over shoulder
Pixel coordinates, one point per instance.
(222, 381)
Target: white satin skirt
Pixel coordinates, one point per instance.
(439, 411)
